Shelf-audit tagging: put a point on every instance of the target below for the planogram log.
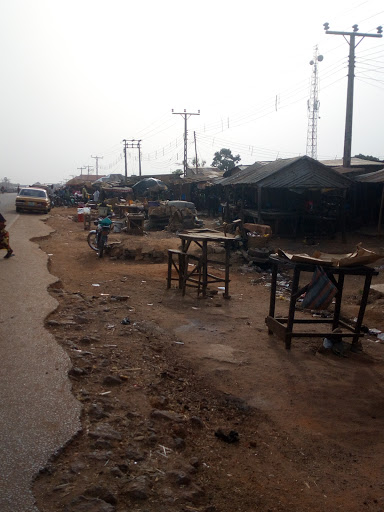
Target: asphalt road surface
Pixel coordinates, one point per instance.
(38, 413)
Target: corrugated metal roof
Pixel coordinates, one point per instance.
(297, 172)
(355, 162)
(241, 174)
(372, 177)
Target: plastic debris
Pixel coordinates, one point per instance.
(126, 321)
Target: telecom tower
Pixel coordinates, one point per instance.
(313, 106)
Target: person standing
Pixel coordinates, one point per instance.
(96, 195)
(4, 238)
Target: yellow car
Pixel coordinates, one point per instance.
(33, 199)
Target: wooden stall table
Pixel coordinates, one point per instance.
(199, 276)
(135, 223)
(123, 209)
(283, 326)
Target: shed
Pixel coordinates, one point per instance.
(278, 185)
(375, 178)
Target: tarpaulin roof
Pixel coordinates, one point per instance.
(295, 173)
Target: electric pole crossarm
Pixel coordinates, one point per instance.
(360, 34)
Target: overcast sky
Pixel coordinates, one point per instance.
(79, 76)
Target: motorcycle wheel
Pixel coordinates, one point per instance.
(92, 240)
(101, 247)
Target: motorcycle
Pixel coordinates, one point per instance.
(98, 238)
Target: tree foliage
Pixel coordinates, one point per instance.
(224, 160)
(199, 163)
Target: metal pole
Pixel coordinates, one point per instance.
(185, 145)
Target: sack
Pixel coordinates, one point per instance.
(320, 292)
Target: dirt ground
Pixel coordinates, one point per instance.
(189, 404)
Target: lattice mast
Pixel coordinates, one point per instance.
(313, 106)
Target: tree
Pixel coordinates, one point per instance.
(199, 164)
(178, 172)
(224, 160)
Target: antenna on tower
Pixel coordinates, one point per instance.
(313, 106)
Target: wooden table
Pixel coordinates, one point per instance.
(123, 209)
(283, 326)
(201, 238)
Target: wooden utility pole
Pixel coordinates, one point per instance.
(351, 76)
(88, 167)
(81, 170)
(186, 115)
(197, 166)
(97, 163)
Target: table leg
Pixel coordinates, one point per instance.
(363, 304)
(227, 260)
(292, 305)
(272, 300)
(339, 295)
(205, 268)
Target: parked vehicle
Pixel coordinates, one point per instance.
(98, 238)
(33, 199)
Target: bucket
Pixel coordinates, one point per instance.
(80, 215)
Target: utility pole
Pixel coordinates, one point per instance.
(81, 170)
(88, 167)
(133, 143)
(313, 107)
(186, 115)
(351, 76)
(97, 163)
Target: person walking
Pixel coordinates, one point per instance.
(4, 238)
